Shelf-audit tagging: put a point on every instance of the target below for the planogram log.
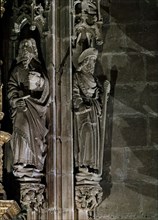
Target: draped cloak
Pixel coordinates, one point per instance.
(87, 135)
(29, 126)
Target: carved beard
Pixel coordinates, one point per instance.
(26, 59)
(88, 70)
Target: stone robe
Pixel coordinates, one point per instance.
(87, 119)
(29, 124)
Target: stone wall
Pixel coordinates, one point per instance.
(130, 55)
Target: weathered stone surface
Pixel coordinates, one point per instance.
(141, 167)
(148, 10)
(129, 131)
(153, 136)
(128, 99)
(115, 38)
(121, 203)
(129, 67)
(143, 35)
(132, 111)
(118, 165)
(125, 11)
(151, 68)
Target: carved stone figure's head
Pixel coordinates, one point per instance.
(27, 51)
(87, 60)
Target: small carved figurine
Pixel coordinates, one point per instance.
(28, 94)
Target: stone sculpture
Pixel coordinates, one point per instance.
(87, 101)
(28, 94)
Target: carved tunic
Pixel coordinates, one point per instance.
(87, 106)
(29, 129)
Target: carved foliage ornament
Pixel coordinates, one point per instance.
(29, 12)
(88, 197)
(32, 196)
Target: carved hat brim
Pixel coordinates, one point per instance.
(88, 53)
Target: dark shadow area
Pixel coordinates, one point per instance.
(134, 22)
(106, 182)
(137, 15)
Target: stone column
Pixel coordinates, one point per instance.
(60, 175)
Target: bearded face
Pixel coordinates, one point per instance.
(88, 65)
(27, 51)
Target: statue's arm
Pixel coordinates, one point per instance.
(13, 89)
(15, 95)
(78, 103)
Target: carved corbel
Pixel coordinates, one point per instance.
(88, 197)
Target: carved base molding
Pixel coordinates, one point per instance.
(8, 209)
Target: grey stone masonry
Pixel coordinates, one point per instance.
(130, 53)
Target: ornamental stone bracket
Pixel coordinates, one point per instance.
(88, 197)
(32, 196)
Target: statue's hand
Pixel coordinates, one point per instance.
(20, 103)
(107, 86)
(36, 82)
(82, 109)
